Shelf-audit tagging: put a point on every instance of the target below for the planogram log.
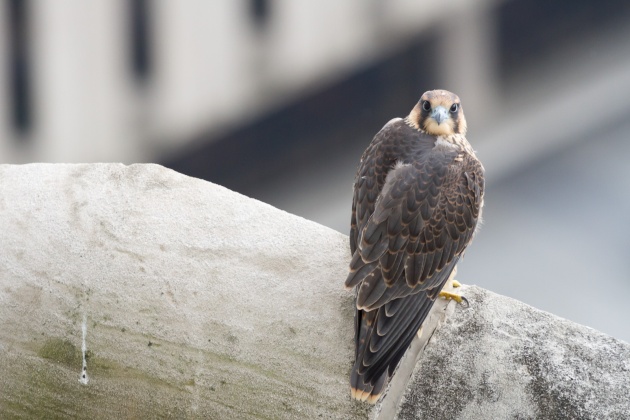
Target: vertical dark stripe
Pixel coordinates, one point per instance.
(19, 65)
(259, 10)
(140, 39)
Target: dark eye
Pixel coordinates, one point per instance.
(426, 106)
(454, 108)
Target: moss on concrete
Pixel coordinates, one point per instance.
(60, 351)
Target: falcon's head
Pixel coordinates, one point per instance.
(439, 113)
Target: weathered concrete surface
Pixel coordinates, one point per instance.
(502, 359)
(198, 302)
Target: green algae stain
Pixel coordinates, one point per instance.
(60, 351)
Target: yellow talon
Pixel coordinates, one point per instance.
(448, 295)
(451, 284)
(457, 298)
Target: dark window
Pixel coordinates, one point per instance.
(532, 29)
(19, 65)
(140, 34)
(259, 10)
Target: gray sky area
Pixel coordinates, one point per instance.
(556, 235)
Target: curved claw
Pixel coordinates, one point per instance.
(457, 298)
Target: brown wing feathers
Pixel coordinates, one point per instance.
(411, 219)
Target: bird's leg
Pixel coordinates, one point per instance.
(451, 283)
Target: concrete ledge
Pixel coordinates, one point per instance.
(184, 299)
(502, 359)
(198, 302)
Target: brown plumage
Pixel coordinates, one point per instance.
(418, 195)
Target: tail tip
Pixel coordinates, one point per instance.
(373, 398)
(364, 395)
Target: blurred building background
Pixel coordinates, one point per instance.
(277, 99)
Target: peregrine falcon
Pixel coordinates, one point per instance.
(418, 195)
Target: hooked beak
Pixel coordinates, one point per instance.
(439, 114)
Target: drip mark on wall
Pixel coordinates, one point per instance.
(84, 376)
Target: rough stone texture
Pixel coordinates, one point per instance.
(502, 359)
(198, 302)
